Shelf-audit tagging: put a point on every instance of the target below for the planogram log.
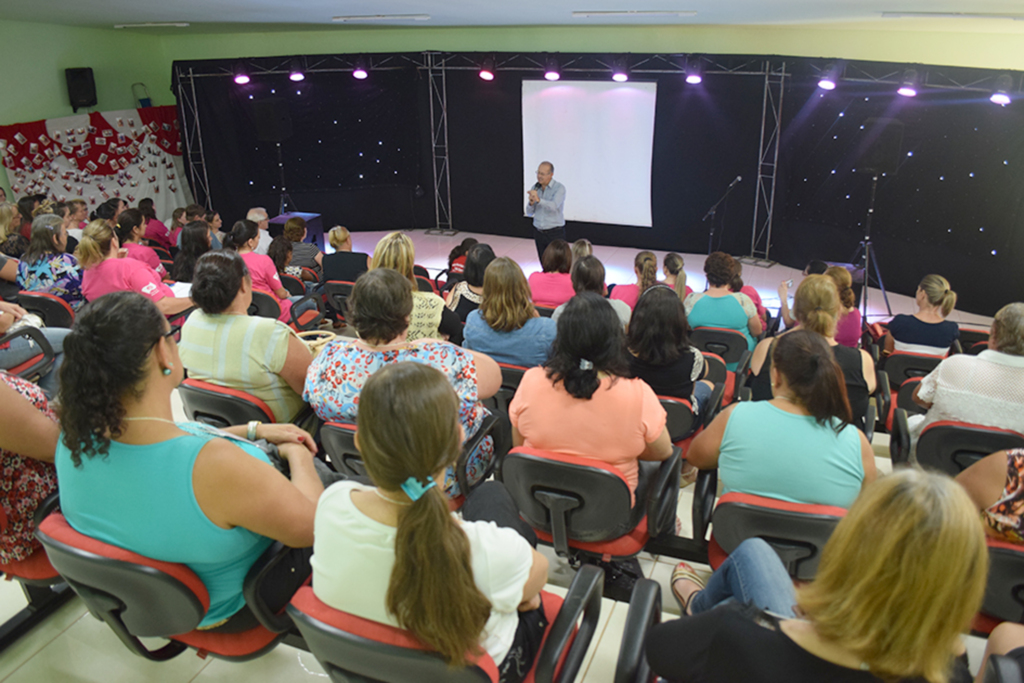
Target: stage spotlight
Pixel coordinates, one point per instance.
(295, 71)
(829, 77)
(908, 86)
(240, 74)
(694, 72)
(551, 72)
(1001, 95)
(359, 70)
(487, 69)
(620, 72)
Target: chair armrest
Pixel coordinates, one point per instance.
(899, 439)
(743, 365)
(714, 405)
(883, 393)
(663, 496)
(48, 505)
(745, 394)
(181, 315)
(312, 324)
(869, 422)
(704, 492)
(644, 612)
(279, 564)
(1003, 669)
(36, 336)
(583, 600)
(473, 443)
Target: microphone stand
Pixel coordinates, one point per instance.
(711, 213)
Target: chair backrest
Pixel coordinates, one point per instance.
(162, 253)
(54, 311)
(264, 305)
(337, 292)
(425, 284)
(977, 347)
(340, 443)
(1003, 669)
(972, 335)
(952, 447)
(221, 406)
(596, 493)
(420, 271)
(544, 311)
(39, 364)
(905, 397)
(150, 598)
(511, 375)
(680, 420)
(1004, 590)
(717, 372)
(729, 344)
(798, 532)
(293, 285)
(356, 650)
(902, 366)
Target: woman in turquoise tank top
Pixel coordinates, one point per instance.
(130, 476)
(798, 447)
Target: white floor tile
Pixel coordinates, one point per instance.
(39, 637)
(283, 663)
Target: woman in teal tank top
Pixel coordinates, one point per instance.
(132, 477)
(800, 446)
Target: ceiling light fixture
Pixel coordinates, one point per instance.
(295, 71)
(240, 74)
(1001, 95)
(154, 24)
(829, 77)
(627, 13)
(620, 70)
(381, 17)
(487, 69)
(551, 71)
(694, 71)
(908, 86)
(359, 69)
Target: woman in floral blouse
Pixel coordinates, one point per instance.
(46, 268)
(28, 439)
(379, 308)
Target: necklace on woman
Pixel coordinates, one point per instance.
(391, 500)
(153, 419)
(788, 398)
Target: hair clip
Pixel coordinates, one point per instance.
(586, 364)
(414, 489)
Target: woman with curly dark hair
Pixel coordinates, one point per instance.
(583, 402)
(178, 492)
(719, 306)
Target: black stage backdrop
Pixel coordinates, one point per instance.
(952, 206)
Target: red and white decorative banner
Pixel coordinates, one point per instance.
(129, 154)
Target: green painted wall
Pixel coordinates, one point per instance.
(120, 57)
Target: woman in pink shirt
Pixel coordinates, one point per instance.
(645, 265)
(130, 231)
(244, 238)
(553, 287)
(155, 231)
(582, 402)
(107, 270)
(736, 285)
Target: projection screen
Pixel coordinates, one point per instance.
(599, 136)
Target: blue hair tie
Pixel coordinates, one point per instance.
(414, 489)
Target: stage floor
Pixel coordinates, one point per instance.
(432, 253)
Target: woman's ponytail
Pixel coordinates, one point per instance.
(241, 232)
(95, 244)
(646, 266)
(938, 292)
(805, 359)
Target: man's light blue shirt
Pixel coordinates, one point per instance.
(547, 213)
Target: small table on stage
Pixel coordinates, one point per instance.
(314, 226)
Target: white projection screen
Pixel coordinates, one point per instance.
(599, 136)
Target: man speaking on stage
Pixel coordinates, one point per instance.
(547, 199)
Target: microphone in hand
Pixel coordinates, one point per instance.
(537, 186)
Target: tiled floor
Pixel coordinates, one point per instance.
(72, 646)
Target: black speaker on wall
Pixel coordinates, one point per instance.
(81, 88)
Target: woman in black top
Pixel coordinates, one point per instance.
(900, 579)
(465, 296)
(660, 351)
(816, 308)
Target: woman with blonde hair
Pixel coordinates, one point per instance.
(344, 264)
(927, 331)
(459, 586)
(506, 326)
(675, 276)
(11, 241)
(816, 306)
(645, 265)
(899, 581)
(849, 324)
(107, 269)
(396, 251)
(580, 248)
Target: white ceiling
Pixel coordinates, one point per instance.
(205, 15)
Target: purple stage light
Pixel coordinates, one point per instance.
(1000, 98)
(486, 75)
(620, 77)
(359, 73)
(297, 76)
(907, 91)
(827, 84)
(552, 75)
(242, 79)
(693, 79)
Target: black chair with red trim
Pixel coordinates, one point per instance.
(138, 597)
(544, 311)
(511, 376)
(907, 369)
(1003, 669)
(356, 650)
(583, 507)
(425, 284)
(796, 531)
(337, 293)
(952, 446)
(220, 406)
(268, 306)
(721, 348)
(293, 284)
(683, 426)
(39, 364)
(976, 348)
(54, 311)
(339, 442)
(42, 585)
(162, 253)
(1004, 590)
(969, 336)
